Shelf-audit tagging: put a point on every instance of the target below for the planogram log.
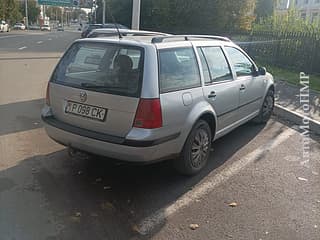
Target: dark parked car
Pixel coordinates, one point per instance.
(34, 27)
(90, 27)
(60, 28)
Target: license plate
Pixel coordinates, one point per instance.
(85, 110)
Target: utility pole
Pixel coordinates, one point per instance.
(135, 24)
(44, 14)
(288, 4)
(103, 12)
(26, 10)
(95, 14)
(95, 11)
(62, 17)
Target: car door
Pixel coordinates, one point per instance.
(179, 85)
(251, 84)
(220, 89)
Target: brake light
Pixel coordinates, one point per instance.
(148, 114)
(48, 94)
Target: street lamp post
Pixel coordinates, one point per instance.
(95, 13)
(104, 12)
(135, 24)
(26, 10)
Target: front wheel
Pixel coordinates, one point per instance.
(266, 109)
(196, 150)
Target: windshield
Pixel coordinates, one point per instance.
(101, 67)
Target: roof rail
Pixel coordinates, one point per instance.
(112, 32)
(188, 37)
(146, 33)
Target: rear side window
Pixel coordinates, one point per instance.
(100, 67)
(178, 69)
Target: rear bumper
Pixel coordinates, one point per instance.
(111, 146)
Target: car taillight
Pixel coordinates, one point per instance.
(148, 114)
(48, 94)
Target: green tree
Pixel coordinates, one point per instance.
(76, 13)
(264, 8)
(2, 9)
(9, 11)
(54, 13)
(185, 16)
(33, 10)
(119, 9)
(286, 22)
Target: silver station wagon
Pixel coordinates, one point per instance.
(154, 97)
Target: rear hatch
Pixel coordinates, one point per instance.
(96, 86)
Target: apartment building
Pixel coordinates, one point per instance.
(308, 9)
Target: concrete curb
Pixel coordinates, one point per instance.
(296, 118)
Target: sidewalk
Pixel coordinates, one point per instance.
(288, 96)
(288, 105)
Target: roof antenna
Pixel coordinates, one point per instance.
(114, 21)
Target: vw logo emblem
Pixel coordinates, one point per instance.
(83, 96)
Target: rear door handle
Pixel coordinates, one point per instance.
(212, 94)
(242, 87)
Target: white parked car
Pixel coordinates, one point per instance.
(45, 28)
(4, 27)
(19, 26)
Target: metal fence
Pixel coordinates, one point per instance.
(291, 50)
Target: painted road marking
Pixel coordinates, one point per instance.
(11, 36)
(148, 224)
(24, 47)
(22, 35)
(39, 42)
(49, 39)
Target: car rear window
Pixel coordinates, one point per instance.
(94, 27)
(178, 69)
(109, 68)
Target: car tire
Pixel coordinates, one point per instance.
(266, 109)
(196, 150)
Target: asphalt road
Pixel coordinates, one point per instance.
(46, 194)
(36, 41)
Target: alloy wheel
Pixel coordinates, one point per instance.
(200, 148)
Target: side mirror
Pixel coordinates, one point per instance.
(262, 71)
